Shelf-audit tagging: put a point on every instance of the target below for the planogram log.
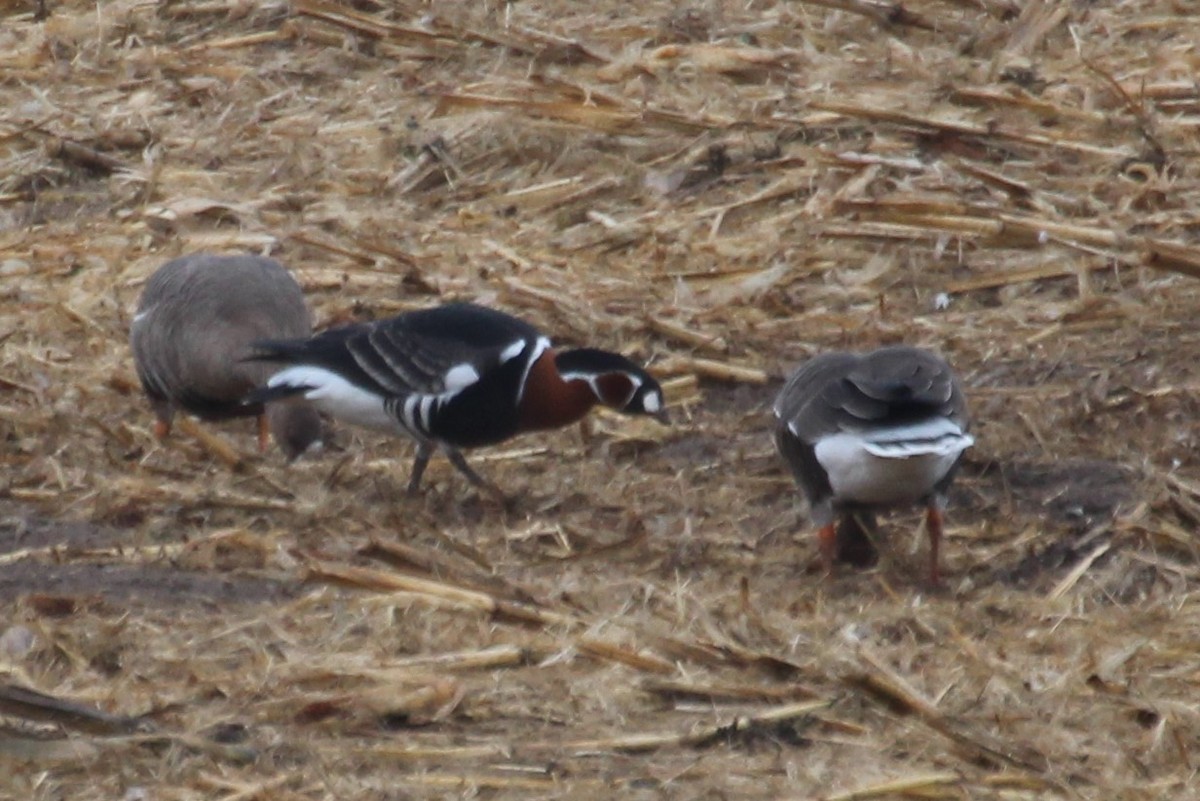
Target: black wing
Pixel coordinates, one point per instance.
(412, 353)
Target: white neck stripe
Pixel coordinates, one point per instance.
(540, 346)
(592, 381)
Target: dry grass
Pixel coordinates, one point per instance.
(720, 189)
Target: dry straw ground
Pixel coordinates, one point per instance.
(720, 189)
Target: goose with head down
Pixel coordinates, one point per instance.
(192, 330)
(453, 377)
(864, 433)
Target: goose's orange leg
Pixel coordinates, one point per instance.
(827, 543)
(933, 524)
(264, 433)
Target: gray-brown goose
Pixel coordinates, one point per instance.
(863, 433)
(191, 335)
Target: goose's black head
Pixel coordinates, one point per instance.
(616, 381)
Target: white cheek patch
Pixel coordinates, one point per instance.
(336, 396)
(652, 403)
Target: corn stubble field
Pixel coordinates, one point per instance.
(718, 190)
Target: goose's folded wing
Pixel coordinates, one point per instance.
(427, 352)
(816, 401)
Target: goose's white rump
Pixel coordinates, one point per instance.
(891, 465)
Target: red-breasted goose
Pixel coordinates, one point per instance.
(452, 377)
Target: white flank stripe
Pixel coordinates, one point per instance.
(419, 410)
(461, 376)
(427, 402)
(945, 446)
(410, 409)
(933, 428)
(336, 396)
(512, 351)
(940, 436)
(948, 445)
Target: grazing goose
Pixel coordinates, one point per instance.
(452, 377)
(191, 333)
(868, 432)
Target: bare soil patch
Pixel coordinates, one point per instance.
(61, 568)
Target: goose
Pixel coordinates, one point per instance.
(192, 330)
(452, 377)
(863, 433)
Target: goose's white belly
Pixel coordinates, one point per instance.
(868, 469)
